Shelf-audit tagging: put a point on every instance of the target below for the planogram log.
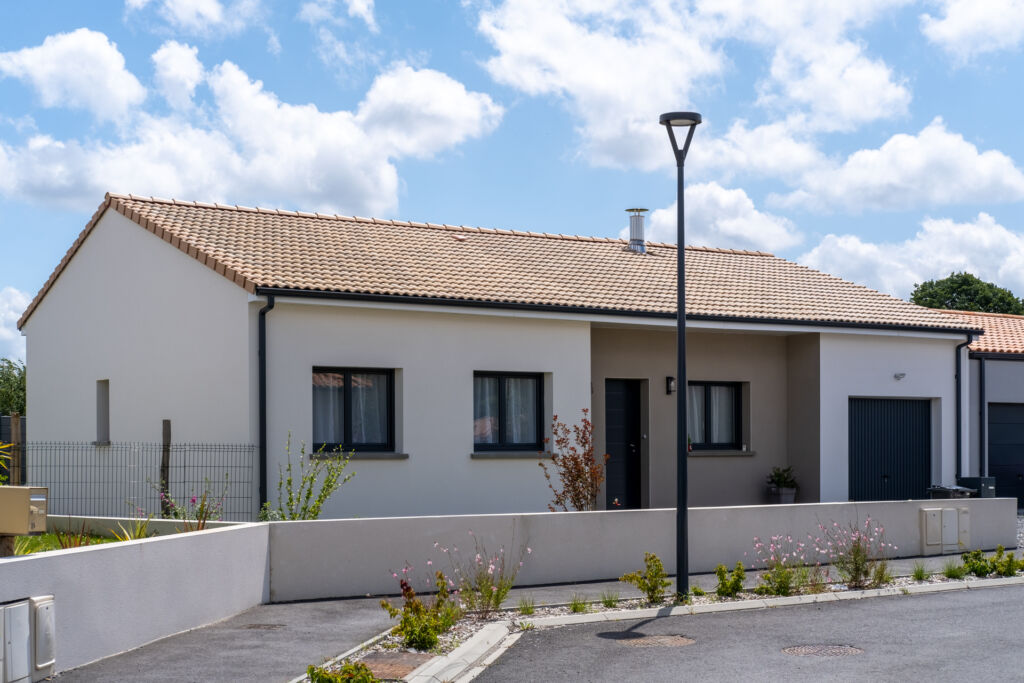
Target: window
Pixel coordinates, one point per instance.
(102, 411)
(713, 415)
(507, 411)
(353, 409)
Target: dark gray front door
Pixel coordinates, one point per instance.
(622, 440)
(890, 448)
(1006, 449)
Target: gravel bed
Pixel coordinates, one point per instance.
(1020, 533)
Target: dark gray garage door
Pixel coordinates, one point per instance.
(890, 448)
(1006, 449)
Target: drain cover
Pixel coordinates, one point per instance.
(658, 641)
(395, 665)
(822, 650)
(262, 627)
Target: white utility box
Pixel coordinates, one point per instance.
(945, 531)
(28, 634)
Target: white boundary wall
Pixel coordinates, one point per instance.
(357, 556)
(116, 597)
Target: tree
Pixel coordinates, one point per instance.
(12, 386)
(965, 292)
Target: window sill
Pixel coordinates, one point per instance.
(509, 455)
(722, 454)
(365, 455)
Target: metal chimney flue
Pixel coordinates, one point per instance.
(637, 242)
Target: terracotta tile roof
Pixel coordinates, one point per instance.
(295, 250)
(1004, 333)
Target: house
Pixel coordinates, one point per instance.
(996, 413)
(439, 354)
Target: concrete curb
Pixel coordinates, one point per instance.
(456, 663)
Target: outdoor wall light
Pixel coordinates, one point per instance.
(670, 385)
(899, 375)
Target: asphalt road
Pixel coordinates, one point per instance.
(953, 636)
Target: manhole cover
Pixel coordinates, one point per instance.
(262, 627)
(394, 665)
(822, 650)
(658, 641)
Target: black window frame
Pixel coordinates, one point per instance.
(347, 444)
(735, 445)
(503, 444)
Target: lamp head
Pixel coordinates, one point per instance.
(684, 119)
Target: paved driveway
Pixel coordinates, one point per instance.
(954, 636)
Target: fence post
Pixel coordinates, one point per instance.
(165, 470)
(17, 466)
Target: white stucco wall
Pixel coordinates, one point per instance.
(434, 354)
(170, 335)
(115, 597)
(864, 366)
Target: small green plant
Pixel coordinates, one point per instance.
(652, 582)
(976, 563)
(302, 491)
(920, 572)
(782, 477)
(953, 569)
(1004, 565)
(697, 591)
(5, 455)
(136, 529)
(778, 579)
(811, 579)
(485, 580)
(729, 583)
(577, 604)
(609, 598)
(420, 625)
(73, 538)
(525, 626)
(349, 672)
(198, 511)
(880, 574)
(526, 606)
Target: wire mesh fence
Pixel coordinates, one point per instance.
(124, 479)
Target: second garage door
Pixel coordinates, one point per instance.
(1006, 449)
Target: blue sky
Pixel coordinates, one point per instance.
(877, 140)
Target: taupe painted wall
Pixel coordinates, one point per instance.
(1004, 383)
(759, 360)
(803, 392)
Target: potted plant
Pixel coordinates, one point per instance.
(782, 485)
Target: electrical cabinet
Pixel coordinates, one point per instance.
(22, 510)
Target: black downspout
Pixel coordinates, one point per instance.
(982, 421)
(959, 408)
(263, 396)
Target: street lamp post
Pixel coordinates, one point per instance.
(688, 120)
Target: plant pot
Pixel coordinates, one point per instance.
(777, 494)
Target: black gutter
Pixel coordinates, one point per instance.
(586, 310)
(959, 407)
(982, 415)
(994, 355)
(262, 336)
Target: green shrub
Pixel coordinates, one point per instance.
(697, 591)
(651, 582)
(811, 579)
(609, 598)
(526, 606)
(880, 574)
(350, 672)
(920, 573)
(577, 604)
(953, 570)
(976, 563)
(729, 583)
(420, 625)
(854, 551)
(302, 492)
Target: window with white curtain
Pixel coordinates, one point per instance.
(353, 409)
(713, 415)
(507, 411)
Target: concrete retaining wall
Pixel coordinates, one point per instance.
(342, 558)
(116, 597)
(107, 526)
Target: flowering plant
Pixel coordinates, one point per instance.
(420, 625)
(579, 471)
(199, 510)
(485, 579)
(857, 552)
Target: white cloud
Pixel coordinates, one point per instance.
(721, 217)
(178, 72)
(208, 17)
(972, 27)
(364, 10)
(618, 65)
(82, 69)
(982, 247)
(13, 303)
(933, 168)
(254, 148)
(772, 149)
(324, 11)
